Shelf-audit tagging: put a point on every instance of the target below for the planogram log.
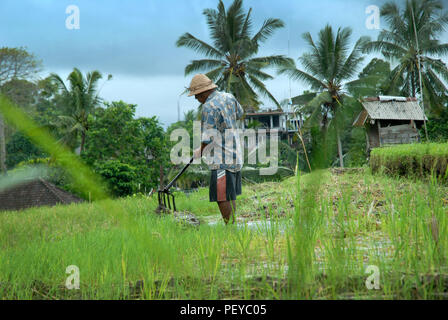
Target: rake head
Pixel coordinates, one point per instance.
(166, 201)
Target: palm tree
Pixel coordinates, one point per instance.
(190, 115)
(406, 42)
(327, 67)
(231, 60)
(81, 98)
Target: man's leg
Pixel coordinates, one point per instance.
(223, 184)
(226, 210)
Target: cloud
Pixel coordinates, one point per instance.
(135, 41)
(138, 37)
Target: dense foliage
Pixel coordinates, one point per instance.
(19, 148)
(117, 141)
(120, 177)
(127, 152)
(437, 126)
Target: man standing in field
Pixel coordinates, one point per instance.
(219, 132)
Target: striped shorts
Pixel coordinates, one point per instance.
(224, 185)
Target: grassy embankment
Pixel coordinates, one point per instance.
(316, 245)
(418, 160)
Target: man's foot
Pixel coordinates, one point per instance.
(226, 210)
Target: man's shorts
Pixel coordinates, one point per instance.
(224, 185)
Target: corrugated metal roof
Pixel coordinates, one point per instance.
(388, 98)
(394, 110)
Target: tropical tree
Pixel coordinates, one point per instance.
(187, 123)
(80, 100)
(437, 126)
(20, 148)
(374, 80)
(411, 43)
(15, 64)
(231, 60)
(327, 68)
(22, 93)
(116, 140)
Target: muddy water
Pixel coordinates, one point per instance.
(255, 225)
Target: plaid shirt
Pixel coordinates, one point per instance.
(219, 115)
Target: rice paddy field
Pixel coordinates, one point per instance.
(412, 160)
(332, 234)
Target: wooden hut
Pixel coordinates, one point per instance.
(390, 120)
(34, 193)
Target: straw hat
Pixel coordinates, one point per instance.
(200, 83)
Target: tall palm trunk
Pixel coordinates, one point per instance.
(83, 141)
(341, 158)
(413, 84)
(2, 146)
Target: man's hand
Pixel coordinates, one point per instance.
(197, 154)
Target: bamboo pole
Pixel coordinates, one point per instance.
(303, 143)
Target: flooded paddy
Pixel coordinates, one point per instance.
(315, 242)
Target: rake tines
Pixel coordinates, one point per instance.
(166, 200)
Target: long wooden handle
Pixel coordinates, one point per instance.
(168, 186)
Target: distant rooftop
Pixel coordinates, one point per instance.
(34, 193)
(265, 112)
(390, 108)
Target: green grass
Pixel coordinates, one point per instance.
(114, 252)
(358, 220)
(415, 160)
(315, 237)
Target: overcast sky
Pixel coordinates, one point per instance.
(134, 40)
